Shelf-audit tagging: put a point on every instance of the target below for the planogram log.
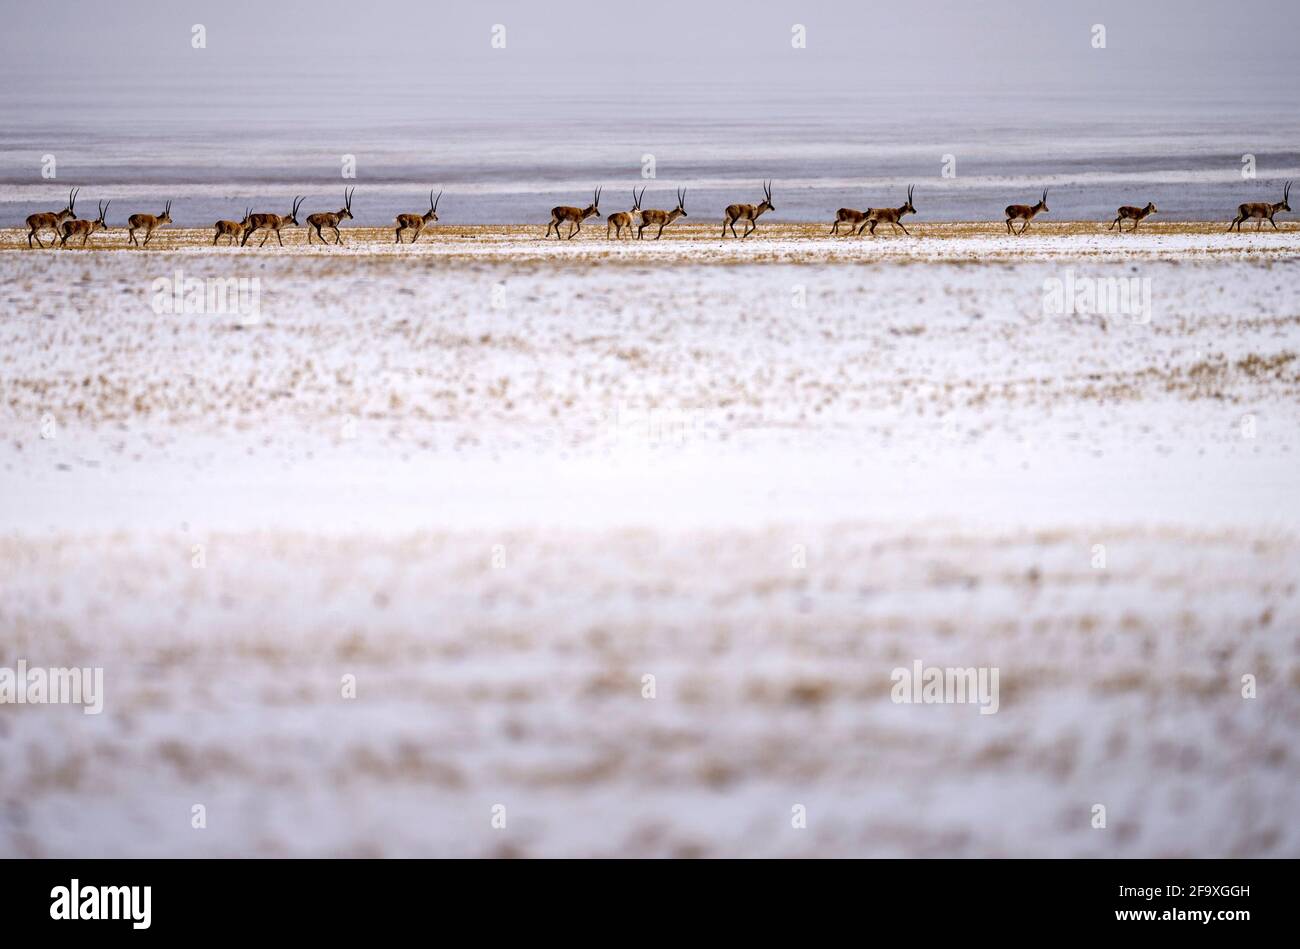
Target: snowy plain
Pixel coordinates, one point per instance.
(500, 481)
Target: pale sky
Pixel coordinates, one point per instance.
(1207, 43)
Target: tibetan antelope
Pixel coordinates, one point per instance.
(51, 220)
(748, 213)
(1261, 210)
(847, 216)
(72, 228)
(621, 219)
(147, 223)
(1130, 213)
(573, 217)
(232, 229)
(663, 218)
(416, 222)
(1025, 212)
(271, 223)
(891, 216)
(331, 219)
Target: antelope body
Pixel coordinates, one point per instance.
(1262, 211)
(330, 219)
(891, 216)
(623, 219)
(573, 217)
(232, 229)
(85, 228)
(51, 220)
(147, 223)
(271, 223)
(416, 222)
(1130, 213)
(848, 216)
(748, 213)
(662, 218)
(1026, 213)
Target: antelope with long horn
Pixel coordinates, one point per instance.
(748, 213)
(147, 223)
(663, 218)
(416, 222)
(51, 220)
(232, 229)
(1026, 213)
(573, 217)
(1262, 211)
(623, 219)
(891, 216)
(271, 223)
(72, 228)
(1130, 213)
(331, 219)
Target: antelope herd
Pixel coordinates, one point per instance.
(64, 223)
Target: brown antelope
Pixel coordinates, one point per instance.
(51, 220)
(1025, 212)
(847, 216)
(74, 227)
(1262, 210)
(232, 229)
(1130, 213)
(748, 213)
(891, 216)
(663, 218)
(331, 219)
(573, 217)
(147, 223)
(271, 223)
(623, 219)
(416, 222)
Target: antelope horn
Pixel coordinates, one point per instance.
(437, 199)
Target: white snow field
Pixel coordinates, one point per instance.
(492, 484)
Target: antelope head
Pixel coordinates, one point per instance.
(346, 213)
(594, 207)
(1042, 202)
(767, 204)
(1286, 198)
(908, 208)
(293, 215)
(681, 202)
(432, 213)
(70, 210)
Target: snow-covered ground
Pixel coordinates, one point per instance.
(500, 482)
